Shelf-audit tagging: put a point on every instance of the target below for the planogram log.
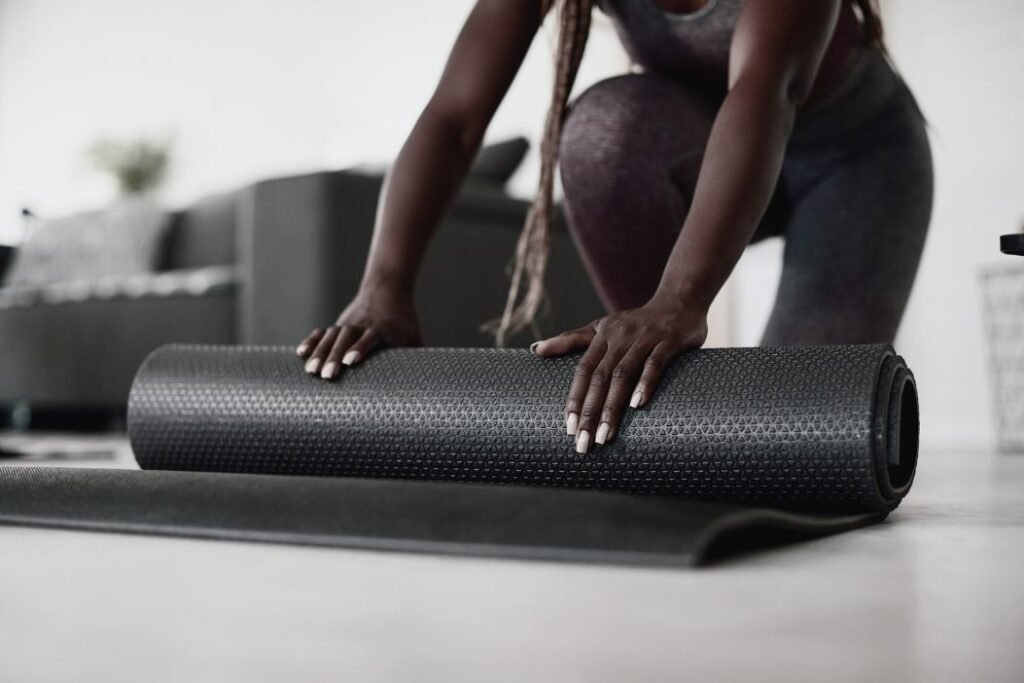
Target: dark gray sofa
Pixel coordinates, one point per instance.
(263, 265)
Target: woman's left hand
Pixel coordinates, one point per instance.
(626, 354)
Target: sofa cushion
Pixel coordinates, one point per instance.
(195, 282)
(18, 296)
(124, 239)
(203, 234)
(496, 163)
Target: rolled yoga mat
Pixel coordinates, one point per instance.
(739, 443)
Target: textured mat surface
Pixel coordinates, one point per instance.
(406, 450)
(808, 428)
(507, 521)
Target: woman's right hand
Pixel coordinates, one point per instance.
(375, 318)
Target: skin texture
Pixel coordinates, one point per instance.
(422, 182)
(777, 49)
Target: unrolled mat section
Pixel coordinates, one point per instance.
(411, 449)
(463, 519)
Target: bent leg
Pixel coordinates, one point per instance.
(854, 242)
(630, 152)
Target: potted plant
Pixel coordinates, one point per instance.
(138, 166)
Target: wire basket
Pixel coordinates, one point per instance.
(1003, 291)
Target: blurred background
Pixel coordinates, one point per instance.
(249, 116)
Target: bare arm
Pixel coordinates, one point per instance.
(420, 185)
(433, 162)
(776, 51)
(775, 55)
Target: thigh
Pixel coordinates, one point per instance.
(629, 154)
(635, 127)
(853, 242)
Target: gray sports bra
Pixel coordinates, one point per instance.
(694, 45)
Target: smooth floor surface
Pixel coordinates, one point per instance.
(934, 594)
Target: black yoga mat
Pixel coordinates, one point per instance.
(486, 520)
(413, 442)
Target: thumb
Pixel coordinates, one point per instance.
(567, 342)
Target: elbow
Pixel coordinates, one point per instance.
(797, 88)
(460, 129)
(783, 94)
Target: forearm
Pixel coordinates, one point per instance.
(741, 166)
(434, 160)
(417, 191)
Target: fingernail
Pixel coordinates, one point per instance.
(330, 370)
(571, 423)
(313, 366)
(533, 347)
(638, 397)
(583, 442)
(301, 351)
(350, 358)
(602, 433)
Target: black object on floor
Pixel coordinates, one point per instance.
(828, 434)
(474, 519)
(24, 417)
(1012, 244)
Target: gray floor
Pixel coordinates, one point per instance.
(935, 594)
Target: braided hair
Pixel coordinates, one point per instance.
(531, 255)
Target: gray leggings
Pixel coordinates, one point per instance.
(853, 201)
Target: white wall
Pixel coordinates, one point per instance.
(261, 87)
(245, 88)
(965, 63)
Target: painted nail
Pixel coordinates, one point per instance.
(313, 366)
(583, 442)
(330, 370)
(638, 398)
(533, 347)
(602, 433)
(301, 351)
(350, 358)
(570, 424)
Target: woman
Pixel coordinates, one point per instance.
(751, 118)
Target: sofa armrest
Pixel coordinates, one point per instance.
(6, 257)
(465, 276)
(302, 244)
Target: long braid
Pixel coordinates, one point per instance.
(531, 255)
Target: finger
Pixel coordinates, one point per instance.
(316, 359)
(578, 389)
(362, 347)
(597, 392)
(580, 382)
(624, 378)
(309, 343)
(654, 368)
(567, 342)
(346, 336)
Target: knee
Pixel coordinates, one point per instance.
(640, 122)
(599, 121)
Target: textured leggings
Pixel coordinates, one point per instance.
(853, 201)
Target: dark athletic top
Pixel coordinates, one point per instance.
(691, 45)
(695, 46)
